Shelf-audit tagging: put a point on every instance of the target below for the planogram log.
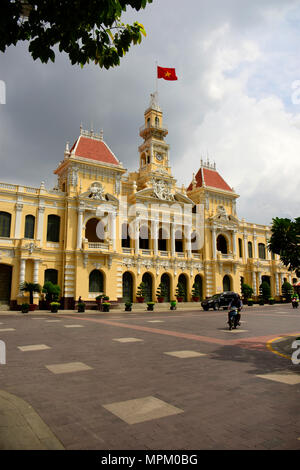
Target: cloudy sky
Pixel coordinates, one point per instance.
(237, 100)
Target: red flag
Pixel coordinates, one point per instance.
(166, 74)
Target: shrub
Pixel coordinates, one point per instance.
(265, 290)
(247, 291)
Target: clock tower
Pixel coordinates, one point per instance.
(154, 152)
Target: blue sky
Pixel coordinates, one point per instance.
(236, 63)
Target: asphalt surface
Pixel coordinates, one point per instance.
(150, 380)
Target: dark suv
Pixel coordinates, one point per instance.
(218, 300)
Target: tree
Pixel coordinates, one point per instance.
(30, 287)
(52, 291)
(285, 242)
(87, 30)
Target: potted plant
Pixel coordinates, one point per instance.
(25, 308)
(196, 292)
(140, 295)
(128, 306)
(250, 302)
(105, 306)
(31, 287)
(54, 306)
(173, 304)
(261, 301)
(180, 292)
(105, 298)
(271, 300)
(150, 306)
(161, 292)
(81, 307)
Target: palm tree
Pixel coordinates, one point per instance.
(30, 287)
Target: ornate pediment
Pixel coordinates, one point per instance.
(221, 218)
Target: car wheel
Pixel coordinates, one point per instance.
(205, 308)
(216, 306)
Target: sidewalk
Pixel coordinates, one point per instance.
(21, 428)
(136, 308)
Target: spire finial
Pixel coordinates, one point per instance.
(101, 134)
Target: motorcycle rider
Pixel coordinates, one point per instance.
(236, 302)
(295, 300)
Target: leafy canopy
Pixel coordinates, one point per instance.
(87, 30)
(285, 242)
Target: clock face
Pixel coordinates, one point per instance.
(159, 157)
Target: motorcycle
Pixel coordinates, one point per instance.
(295, 302)
(233, 321)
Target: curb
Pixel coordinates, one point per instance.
(21, 428)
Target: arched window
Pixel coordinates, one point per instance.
(162, 239)
(222, 244)
(178, 241)
(95, 230)
(147, 280)
(53, 228)
(51, 275)
(125, 236)
(250, 250)
(226, 283)
(5, 221)
(261, 251)
(157, 121)
(29, 226)
(240, 248)
(148, 122)
(96, 283)
(144, 237)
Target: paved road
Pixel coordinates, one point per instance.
(153, 380)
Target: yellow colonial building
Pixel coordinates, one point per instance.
(104, 230)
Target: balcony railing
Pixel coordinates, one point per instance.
(98, 246)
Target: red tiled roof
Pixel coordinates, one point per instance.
(210, 178)
(94, 149)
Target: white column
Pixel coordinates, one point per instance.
(245, 247)
(36, 264)
(172, 240)
(254, 283)
(22, 273)
(155, 236)
(79, 229)
(277, 284)
(255, 247)
(113, 230)
(137, 235)
(19, 208)
(214, 243)
(188, 241)
(234, 243)
(40, 223)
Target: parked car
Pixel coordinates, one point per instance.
(218, 301)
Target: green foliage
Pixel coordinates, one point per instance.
(141, 290)
(30, 287)
(285, 242)
(247, 291)
(265, 290)
(52, 291)
(180, 290)
(89, 30)
(161, 291)
(287, 290)
(196, 290)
